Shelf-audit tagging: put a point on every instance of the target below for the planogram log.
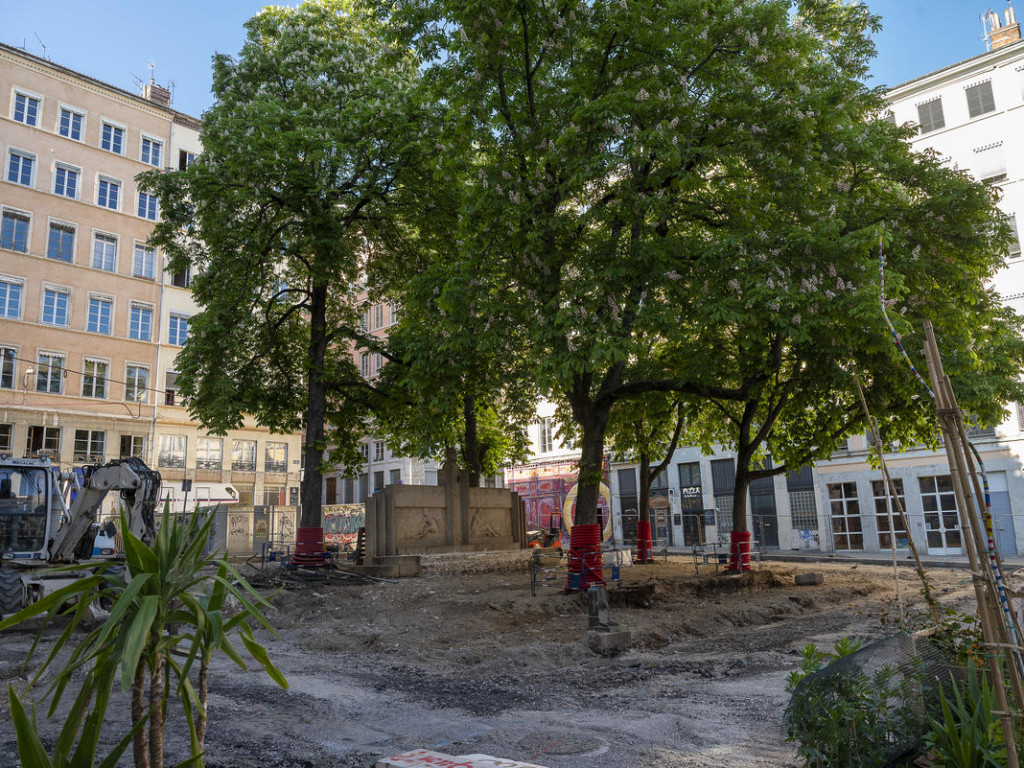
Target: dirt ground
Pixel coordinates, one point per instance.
(463, 659)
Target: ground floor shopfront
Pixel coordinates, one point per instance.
(836, 506)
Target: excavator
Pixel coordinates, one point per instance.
(48, 516)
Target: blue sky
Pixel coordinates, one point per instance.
(117, 45)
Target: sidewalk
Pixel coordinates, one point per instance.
(1010, 563)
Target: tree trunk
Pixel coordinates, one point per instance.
(316, 408)
(644, 508)
(156, 714)
(140, 747)
(471, 452)
(204, 695)
(739, 494)
(588, 490)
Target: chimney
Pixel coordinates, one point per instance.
(156, 93)
(1000, 35)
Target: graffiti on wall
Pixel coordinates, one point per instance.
(342, 523)
(548, 491)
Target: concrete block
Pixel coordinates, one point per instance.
(425, 758)
(809, 579)
(610, 642)
(392, 567)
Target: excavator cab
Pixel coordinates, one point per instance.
(25, 492)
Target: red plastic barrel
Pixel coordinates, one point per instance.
(739, 551)
(585, 565)
(644, 542)
(309, 547)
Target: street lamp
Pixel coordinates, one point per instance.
(24, 383)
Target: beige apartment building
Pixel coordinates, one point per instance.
(90, 322)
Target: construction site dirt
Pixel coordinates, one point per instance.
(463, 660)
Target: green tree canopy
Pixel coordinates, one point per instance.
(621, 152)
(304, 151)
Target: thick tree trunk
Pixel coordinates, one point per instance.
(316, 409)
(644, 509)
(140, 747)
(588, 491)
(739, 494)
(471, 452)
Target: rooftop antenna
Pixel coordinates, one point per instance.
(41, 43)
(151, 66)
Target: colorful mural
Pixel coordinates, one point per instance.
(549, 493)
(342, 523)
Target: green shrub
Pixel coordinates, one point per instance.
(846, 718)
(967, 734)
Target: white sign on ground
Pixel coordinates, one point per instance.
(424, 758)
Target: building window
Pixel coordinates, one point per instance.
(144, 262)
(364, 365)
(545, 435)
(6, 438)
(980, 99)
(136, 384)
(364, 451)
(243, 456)
(14, 231)
(104, 252)
(847, 533)
(132, 445)
(276, 458)
(151, 151)
(378, 362)
(147, 206)
(90, 446)
(94, 379)
(26, 109)
(170, 387)
(70, 124)
(20, 167)
(185, 159)
(378, 450)
(172, 452)
(378, 316)
(8, 358)
(61, 244)
(883, 504)
(182, 278)
(930, 117)
(1011, 219)
(112, 138)
(43, 441)
(140, 323)
(55, 307)
(65, 181)
(209, 453)
(941, 520)
(10, 299)
(393, 312)
(49, 373)
(990, 162)
(273, 496)
(108, 193)
(177, 332)
(395, 478)
(803, 510)
(100, 311)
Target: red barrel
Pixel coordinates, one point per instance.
(739, 551)
(644, 542)
(309, 547)
(585, 565)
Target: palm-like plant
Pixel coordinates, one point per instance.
(171, 607)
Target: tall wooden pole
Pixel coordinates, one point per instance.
(997, 642)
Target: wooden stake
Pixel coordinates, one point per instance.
(993, 631)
